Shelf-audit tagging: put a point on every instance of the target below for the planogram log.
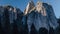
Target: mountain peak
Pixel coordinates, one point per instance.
(30, 6)
(39, 6)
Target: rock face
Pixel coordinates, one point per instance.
(39, 19)
(10, 16)
(29, 7)
(42, 16)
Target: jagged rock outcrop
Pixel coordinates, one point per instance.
(29, 7)
(42, 16)
(8, 16)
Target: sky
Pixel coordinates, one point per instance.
(21, 4)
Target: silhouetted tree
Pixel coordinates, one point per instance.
(19, 21)
(25, 29)
(57, 31)
(33, 30)
(58, 20)
(1, 29)
(0, 25)
(15, 30)
(43, 31)
(7, 22)
(51, 31)
(19, 24)
(58, 28)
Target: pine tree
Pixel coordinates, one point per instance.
(43, 31)
(1, 31)
(58, 28)
(15, 30)
(25, 29)
(51, 31)
(33, 30)
(7, 22)
(58, 20)
(0, 28)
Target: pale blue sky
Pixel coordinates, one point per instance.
(22, 4)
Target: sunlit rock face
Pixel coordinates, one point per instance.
(29, 7)
(42, 16)
(40, 8)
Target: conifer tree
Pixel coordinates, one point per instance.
(43, 31)
(15, 30)
(33, 30)
(7, 22)
(51, 31)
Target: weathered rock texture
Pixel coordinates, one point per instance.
(36, 19)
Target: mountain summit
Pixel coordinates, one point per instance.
(42, 16)
(36, 19)
(30, 6)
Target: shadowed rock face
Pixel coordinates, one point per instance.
(8, 17)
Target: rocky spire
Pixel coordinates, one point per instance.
(40, 8)
(43, 17)
(29, 7)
